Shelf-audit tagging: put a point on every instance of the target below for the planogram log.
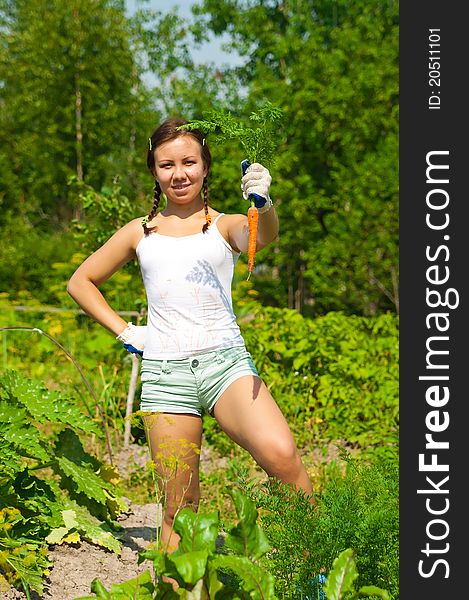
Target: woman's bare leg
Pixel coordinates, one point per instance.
(249, 415)
(175, 442)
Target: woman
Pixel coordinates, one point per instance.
(194, 357)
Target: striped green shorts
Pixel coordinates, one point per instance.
(192, 385)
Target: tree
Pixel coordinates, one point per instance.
(332, 65)
(182, 85)
(72, 101)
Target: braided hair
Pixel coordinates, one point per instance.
(208, 218)
(166, 131)
(154, 210)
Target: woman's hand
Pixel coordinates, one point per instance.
(256, 182)
(133, 338)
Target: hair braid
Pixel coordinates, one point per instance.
(154, 210)
(208, 218)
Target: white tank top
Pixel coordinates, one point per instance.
(188, 285)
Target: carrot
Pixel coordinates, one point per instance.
(253, 220)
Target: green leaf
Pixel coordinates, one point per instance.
(372, 590)
(140, 588)
(98, 588)
(198, 531)
(17, 429)
(57, 535)
(162, 563)
(247, 537)
(214, 584)
(30, 572)
(198, 592)
(69, 445)
(341, 577)
(45, 405)
(150, 554)
(299, 361)
(40, 500)
(91, 529)
(259, 143)
(11, 460)
(85, 480)
(70, 518)
(255, 580)
(191, 565)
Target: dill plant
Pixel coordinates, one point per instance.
(357, 508)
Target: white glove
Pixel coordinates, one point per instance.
(133, 338)
(256, 181)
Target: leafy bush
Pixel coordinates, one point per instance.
(51, 490)
(102, 360)
(334, 377)
(26, 259)
(357, 508)
(104, 212)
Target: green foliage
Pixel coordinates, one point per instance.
(201, 570)
(22, 278)
(72, 102)
(357, 507)
(104, 213)
(240, 568)
(103, 361)
(22, 558)
(44, 281)
(333, 68)
(247, 537)
(259, 143)
(51, 489)
(334, 377)
(183, 86)
(340, 581)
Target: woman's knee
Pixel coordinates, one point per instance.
(280, 456)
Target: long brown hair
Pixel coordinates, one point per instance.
(166, 131)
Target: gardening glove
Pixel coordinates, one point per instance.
(133, 338)
(255, 184)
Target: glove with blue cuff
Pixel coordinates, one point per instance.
(133, 338)
(255, 185)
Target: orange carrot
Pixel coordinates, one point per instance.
(253, 220)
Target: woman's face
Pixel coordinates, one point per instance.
(179, 169)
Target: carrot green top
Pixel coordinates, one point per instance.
(259, 143)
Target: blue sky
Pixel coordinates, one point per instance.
(210, 52)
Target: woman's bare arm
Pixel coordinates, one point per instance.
(98, 268)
